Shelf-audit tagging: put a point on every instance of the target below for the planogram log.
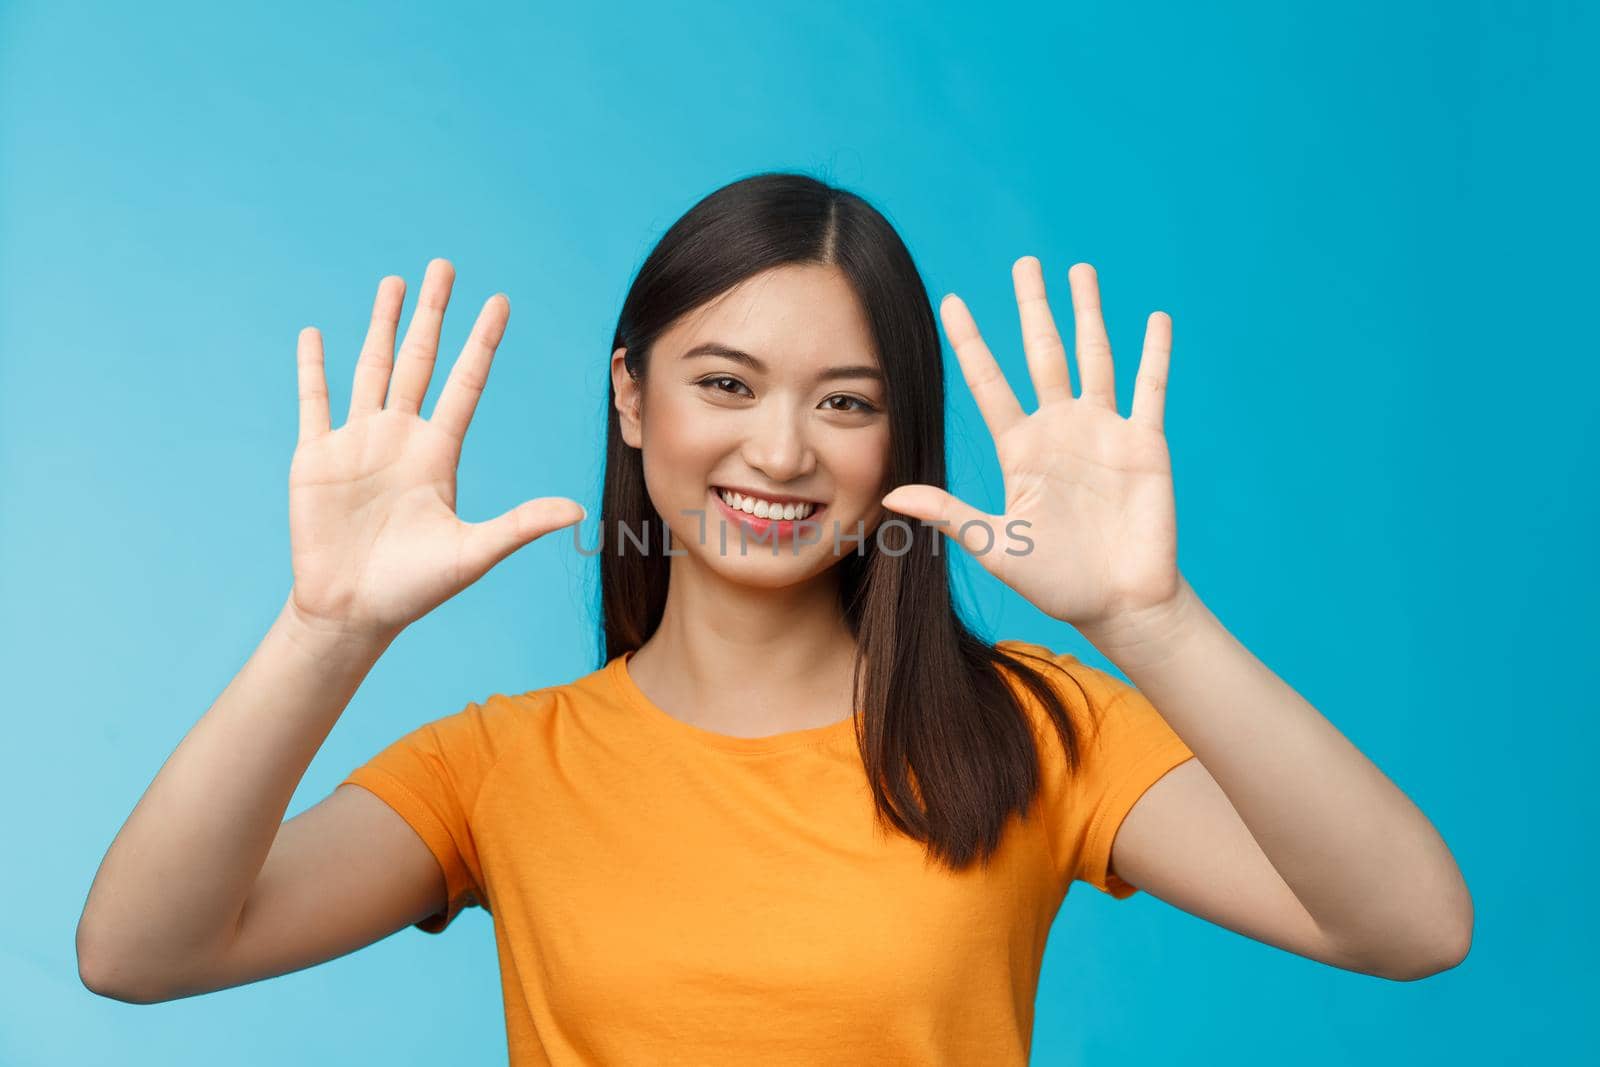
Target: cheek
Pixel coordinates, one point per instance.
(682, 444)
(859, 463)
(684, 439)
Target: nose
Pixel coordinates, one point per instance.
(778, 447)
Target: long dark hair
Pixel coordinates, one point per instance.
(948, 748)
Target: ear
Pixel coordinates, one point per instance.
(628, 397)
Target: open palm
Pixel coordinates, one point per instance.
(374, 535)
(1092, 490)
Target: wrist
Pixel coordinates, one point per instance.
(1148, 634)
(323, 637)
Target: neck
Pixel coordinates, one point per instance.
(748, 660)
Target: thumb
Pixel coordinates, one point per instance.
(486, 543)
(935, 506)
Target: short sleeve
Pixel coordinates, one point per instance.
(431, 778)
(1124, 747)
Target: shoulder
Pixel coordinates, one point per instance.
(491, 723)
(1085, 681)
(515, 714)
(1122, 726)
(1030, 650)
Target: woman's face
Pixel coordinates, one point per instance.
(772, 389)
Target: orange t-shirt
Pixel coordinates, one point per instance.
(663, 893)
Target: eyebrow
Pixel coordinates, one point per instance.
(713, 348)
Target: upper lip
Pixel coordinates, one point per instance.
(777, 498)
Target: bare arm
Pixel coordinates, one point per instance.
(1287, 833)
(205, 886)
(170, 892)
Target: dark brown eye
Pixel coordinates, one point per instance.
(863, 406)
(716, 381)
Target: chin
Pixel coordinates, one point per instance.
(759, 565)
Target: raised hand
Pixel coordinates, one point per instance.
(1094, 488)
(374, 536)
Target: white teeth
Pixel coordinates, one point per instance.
(763, 509)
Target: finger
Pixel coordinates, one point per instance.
(486, 543)
(1093, 347)
(414, 366)
(313, 384)
(953, 517)
(1047, 356)
(377, 351)
(453, 412)
(996, 401)
(1150, 387)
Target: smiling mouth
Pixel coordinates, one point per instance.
(734, 503)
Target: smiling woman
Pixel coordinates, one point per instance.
(798, 811)
(796, 289)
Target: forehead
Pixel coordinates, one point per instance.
(801, 313)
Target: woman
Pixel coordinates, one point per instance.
(800, 812)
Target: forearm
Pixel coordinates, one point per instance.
(1361, 857)
(174, 881)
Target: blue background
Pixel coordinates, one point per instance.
(1373, 226)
